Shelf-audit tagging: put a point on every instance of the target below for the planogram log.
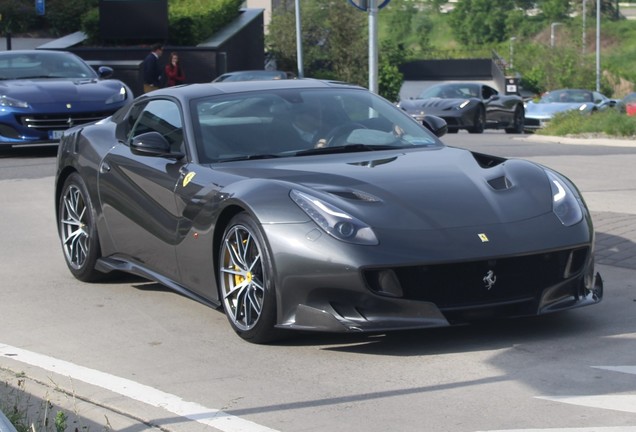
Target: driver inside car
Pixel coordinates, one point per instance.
(307, 121)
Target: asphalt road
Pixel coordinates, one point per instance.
(133, 356)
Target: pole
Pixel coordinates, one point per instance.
(373, 46)
(299, 42)
(584, 16)
(552, 36)
(598, 45)
(512, 52)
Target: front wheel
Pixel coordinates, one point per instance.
(246, 281)
(518, 121)
(78, 232)
(479, 123)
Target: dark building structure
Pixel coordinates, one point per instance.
(239, 45)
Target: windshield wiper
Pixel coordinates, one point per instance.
(250, 157)
(349, 148)
(34, 77)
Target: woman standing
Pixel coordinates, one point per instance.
(174, 72)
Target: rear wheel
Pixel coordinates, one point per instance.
(479, 123)
(518, 121)
(246, 281)
(78, 233)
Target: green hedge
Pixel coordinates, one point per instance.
(190, 22)
(193, 21)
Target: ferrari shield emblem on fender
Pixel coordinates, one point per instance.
(489, 279)
(187, 178)
(483, 237)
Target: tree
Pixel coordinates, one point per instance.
(407, 25)
(17, 16)
(390, 78)
(478, 22)
(555, 10)
(334, 40)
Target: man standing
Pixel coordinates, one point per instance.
(152, 71)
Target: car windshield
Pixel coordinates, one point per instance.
(451, 91)
(301, 122)
(567, 96)
(45, 64)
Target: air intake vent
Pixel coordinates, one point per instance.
(487, 161)
(500, 183)
(354, 195)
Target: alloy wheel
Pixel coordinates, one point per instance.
(242, 277)
(74, 227)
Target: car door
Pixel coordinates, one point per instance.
(137, 191)
(499, 108)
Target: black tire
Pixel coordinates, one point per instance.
(479, 122)
(78, 232)
(452, 130)
(246, 276)
(518, 121)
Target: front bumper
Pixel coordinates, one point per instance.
(326, 285)
(22, 128)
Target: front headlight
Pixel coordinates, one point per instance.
(7, 101)
(117, 97)
(564, 202)
(464, 104)
(334, 221)
(583, 107)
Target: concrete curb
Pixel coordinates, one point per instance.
(604, 141)
(5, 424)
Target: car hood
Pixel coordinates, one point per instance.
(42, 91)
(437, 103)
(549, 109)
(429, 189)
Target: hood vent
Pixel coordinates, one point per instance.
(487, 161)
(500, 183)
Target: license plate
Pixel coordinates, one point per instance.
(56, 134)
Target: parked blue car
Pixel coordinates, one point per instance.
(539, 114)
(43, 93)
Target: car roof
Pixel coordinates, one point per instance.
(192, 91)
(33, 51)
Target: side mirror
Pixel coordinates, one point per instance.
(105, 72)
(153, 144)
(435, 124)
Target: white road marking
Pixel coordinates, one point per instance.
(625, 403)
(623, 369)
(208, 416)
(585, 429)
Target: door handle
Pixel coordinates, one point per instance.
(104, 168)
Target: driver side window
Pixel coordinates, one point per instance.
(162, 116)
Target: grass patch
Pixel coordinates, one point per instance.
(609, 122)
(28, 412)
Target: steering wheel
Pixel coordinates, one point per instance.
(338, 134)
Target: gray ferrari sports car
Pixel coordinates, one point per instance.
(470, 106)
(314, 205)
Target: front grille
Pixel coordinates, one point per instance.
(464, 285)
(60, 121)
